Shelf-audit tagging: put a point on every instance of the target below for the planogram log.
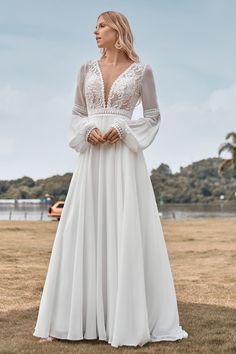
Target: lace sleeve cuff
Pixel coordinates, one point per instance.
(88, 131)
(120, 126)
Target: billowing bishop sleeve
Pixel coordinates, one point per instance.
(80, 126)
(138, 134)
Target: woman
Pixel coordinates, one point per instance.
(109, 275)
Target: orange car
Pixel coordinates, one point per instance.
(56, 209)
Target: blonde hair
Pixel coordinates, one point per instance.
(119, 22)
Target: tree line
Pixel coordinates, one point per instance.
(196, 183)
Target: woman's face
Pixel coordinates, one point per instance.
(105, 35)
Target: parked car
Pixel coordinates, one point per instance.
(56, 209)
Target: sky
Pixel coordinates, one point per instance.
(189, 44)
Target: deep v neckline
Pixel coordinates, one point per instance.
(105, 104)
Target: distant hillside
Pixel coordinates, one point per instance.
(26, 187)
(198, 182)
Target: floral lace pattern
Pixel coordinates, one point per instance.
(124, 92)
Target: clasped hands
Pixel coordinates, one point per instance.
(111, 136)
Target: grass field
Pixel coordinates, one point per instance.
(203, 259)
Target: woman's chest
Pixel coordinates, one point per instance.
(109, 90)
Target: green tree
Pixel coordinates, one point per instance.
(231, 148)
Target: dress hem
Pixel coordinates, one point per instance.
(153, 338)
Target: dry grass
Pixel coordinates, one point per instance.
(203, 259)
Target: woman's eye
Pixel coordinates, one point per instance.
(102, 25)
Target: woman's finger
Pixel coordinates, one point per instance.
(99, 136)
(115, 140)
(113, 134)
(95, 138)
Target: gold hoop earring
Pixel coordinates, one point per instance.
(117, 45)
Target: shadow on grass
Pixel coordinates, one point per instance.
(211, 329)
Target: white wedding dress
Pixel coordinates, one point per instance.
(109, 275)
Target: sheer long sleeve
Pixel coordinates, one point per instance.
(80, 126)
(138, 134)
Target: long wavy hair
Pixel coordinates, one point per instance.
(119, 22)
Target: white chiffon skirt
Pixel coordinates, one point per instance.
(109, 275)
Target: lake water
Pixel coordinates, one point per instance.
(186, 211)
(167, 211)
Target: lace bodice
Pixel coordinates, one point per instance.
(136, 81)
(123, 94)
